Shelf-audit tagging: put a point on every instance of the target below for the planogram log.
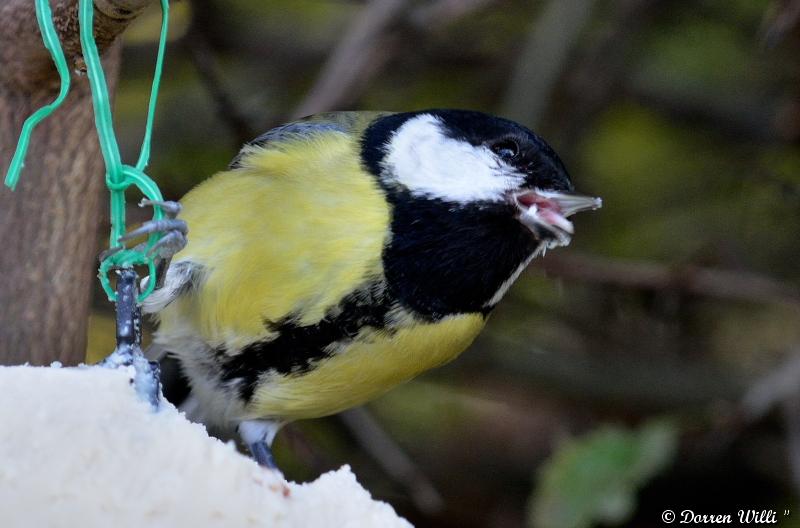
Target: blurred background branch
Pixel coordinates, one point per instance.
(691, 279)
(355, 59)
(544, 59)
(381, 30)
(200, 42)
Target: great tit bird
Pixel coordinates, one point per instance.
(348, 252)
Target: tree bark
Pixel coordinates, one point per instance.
(48, 226)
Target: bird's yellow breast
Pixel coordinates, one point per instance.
(365, 369)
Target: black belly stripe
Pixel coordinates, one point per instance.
(296, 348)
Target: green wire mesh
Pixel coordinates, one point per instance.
(119, 176)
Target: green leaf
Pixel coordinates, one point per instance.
(594, 479)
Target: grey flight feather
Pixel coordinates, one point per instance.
(344, 122)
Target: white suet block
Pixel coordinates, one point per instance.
(77, 448)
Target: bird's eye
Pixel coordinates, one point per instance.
(506, 149)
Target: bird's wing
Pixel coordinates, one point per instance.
(351, 123)
(295, 226)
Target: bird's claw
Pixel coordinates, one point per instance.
(171, 209)
(168, 245)
(174, 229)
(172, 241)
(155, 226)
(109, 252)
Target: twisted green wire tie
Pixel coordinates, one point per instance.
(119, 176)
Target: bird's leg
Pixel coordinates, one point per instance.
(129, 339)
(258, 436)
(174, 239)
(128, 351)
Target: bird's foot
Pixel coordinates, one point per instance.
(147, 374)
(128, 352)
(262, 454)
(174, 238)
(174, 229)
(258, 436)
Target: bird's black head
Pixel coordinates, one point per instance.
(474, 195)
(472, 159)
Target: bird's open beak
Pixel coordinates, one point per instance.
(545, 213)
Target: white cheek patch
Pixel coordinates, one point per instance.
(424, 160)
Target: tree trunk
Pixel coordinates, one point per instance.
(48, 226)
